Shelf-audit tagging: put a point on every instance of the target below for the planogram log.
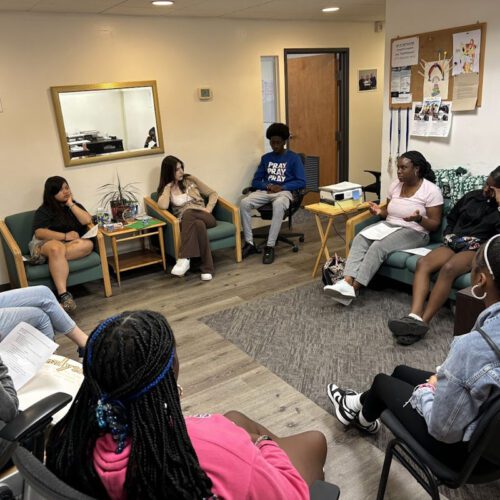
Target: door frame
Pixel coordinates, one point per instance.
(342, 136)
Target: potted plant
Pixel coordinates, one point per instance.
(120, 198)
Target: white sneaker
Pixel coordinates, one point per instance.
(206, 276)
(181, 267)
(341, 291)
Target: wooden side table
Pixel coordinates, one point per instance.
(138, 258)
(467, 309)
(330, 211)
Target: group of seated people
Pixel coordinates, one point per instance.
(125, 435)
(415, 208)
(60, 221)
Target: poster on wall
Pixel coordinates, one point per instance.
(436, 78)
(465, 90)
(367, 79)
(404, 52)
(431, 118)
(401, 85)
(466, 52)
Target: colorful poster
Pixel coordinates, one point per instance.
(432, 118)
(466, 51)
(404, 52)
(436, 78)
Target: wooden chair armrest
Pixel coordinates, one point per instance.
(235, 216)
(350, 226)
(101, 247)
(16, 254)
(170, 219)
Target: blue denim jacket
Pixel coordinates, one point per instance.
(469, 377)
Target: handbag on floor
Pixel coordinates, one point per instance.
(333, 270)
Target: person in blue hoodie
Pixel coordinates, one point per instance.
(279, 174)
(440, 410)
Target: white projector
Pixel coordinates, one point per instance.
(342, 191)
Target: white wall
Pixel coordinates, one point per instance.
(473, 140)
(219, 140)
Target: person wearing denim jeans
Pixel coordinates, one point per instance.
(39, 307)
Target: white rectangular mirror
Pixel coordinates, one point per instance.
(107, 121)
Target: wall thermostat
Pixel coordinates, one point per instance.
(205, 94)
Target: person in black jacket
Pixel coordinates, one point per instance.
(473, 220)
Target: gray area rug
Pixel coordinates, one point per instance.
(308, 340)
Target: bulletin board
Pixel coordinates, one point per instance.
(432, 46)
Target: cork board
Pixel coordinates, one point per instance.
(432, 46)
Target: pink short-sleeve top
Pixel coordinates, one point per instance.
(427, 195)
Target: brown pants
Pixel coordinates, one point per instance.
(194, 238)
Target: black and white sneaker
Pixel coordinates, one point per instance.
(337, 396)
(371, 428)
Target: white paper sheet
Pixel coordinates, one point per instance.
(436, 79)
(58, 374)
(466, 52)
(24, 351)
(432, 118)
(465, 90)
(418, 251)
(401, 85)
(91, 233)
(378, 231)
(405, 52)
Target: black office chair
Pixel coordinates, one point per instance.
(311, 169)
(374, 187)
(481, 466)
(30, 426)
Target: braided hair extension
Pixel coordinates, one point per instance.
(125, 365)
(418, 159)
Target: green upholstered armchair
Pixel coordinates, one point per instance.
(16, 232)
(225, 235)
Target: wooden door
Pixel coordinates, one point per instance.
(313, 112)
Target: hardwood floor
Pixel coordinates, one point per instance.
(217, 376)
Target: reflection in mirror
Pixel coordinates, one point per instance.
(107, 121)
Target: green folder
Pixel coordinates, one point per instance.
(139, 224)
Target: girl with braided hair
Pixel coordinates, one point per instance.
(414, 209)
(126, 437)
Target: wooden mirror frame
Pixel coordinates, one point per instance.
(68, 160)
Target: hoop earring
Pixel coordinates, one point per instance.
(473, 292)
(181, 390)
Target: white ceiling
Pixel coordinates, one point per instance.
(350, 10)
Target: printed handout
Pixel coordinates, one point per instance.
(432, 118)
(465, 90)
(378, 232)
(404, 52)
(401, 85)
(24, 351)
(423, 251)
(91, 233)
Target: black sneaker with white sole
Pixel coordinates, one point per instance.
(337, 396)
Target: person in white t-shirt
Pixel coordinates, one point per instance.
(414, 206)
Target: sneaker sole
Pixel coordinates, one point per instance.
(402, 328)
(364, 429)
(338, 297)
(339, 416)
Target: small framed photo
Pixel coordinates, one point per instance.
(367, 79)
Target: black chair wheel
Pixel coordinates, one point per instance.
(301, 239)
(295, 248)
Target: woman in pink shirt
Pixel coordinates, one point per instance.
(125, 436)
(413, 210)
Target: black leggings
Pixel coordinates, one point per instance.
(393, 392)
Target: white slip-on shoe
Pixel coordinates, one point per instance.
(206, 276)
(181, 267)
